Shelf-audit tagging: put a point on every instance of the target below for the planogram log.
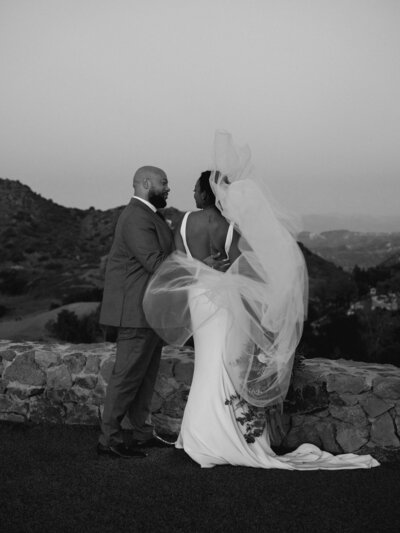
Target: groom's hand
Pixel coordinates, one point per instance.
(215, 262)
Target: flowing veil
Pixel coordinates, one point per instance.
(264, 292)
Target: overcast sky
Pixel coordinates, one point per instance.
(92, 89)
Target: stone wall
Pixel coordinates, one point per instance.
(341, 406)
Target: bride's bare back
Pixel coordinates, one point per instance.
(206, 232)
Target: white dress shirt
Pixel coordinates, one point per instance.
(146, 202)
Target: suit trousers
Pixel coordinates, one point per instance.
(131, 385)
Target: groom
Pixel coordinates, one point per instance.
(142, 241)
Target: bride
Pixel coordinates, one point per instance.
(246, 322)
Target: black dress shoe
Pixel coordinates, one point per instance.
(120, 450)
(154, 442)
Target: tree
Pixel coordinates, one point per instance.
(69, 327)
(13, 281)
(380, 331)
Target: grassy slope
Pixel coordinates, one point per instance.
(32, 327)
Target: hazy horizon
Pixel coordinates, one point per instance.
(93, 89)
(311, 222)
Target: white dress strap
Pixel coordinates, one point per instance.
(183, 234)
(228, 240)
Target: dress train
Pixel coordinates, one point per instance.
(211, 433)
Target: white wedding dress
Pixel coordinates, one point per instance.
(246, 324)
(211, 433)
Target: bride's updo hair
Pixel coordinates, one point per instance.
(205, 187)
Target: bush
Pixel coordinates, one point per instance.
(54, 266)
(370, 336)
(30, 249)
(70, 328)
(3, 310)
(17, 256)
(86, 295)
(13, 282)
(337, 337)
(388, 355)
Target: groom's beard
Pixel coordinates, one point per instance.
(157, 199)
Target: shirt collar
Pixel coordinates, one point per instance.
(146, 202)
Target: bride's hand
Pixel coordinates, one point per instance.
(215, 262)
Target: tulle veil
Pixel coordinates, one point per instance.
(264, 292)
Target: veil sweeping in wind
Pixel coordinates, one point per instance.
(264, 292)
(246, 324)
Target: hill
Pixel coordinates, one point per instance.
(50, 254)
(393, 261)
(53, 255)
(36, 230)
(33, 326)
(349, 248)
(318, 223)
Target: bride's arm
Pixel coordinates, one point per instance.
(215, 262)
(218, 262)
(234, 251)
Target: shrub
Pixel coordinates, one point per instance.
(70, 328)
(54, 266)
(3, 310)
(83, 295)
(13, 282)
(17, 256)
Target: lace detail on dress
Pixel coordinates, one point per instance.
(250, 418)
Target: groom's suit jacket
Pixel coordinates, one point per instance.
(142, 241)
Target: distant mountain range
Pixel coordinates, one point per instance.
(358, 223)
(349, 248)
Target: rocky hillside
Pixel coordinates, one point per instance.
(54, 255)
(49, 254)
(36, 230)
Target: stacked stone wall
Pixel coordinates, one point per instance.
(341, 406)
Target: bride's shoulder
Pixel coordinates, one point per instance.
(182, 219)
(195, 217)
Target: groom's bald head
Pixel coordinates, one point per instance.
(151, 183)
(145, 173)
